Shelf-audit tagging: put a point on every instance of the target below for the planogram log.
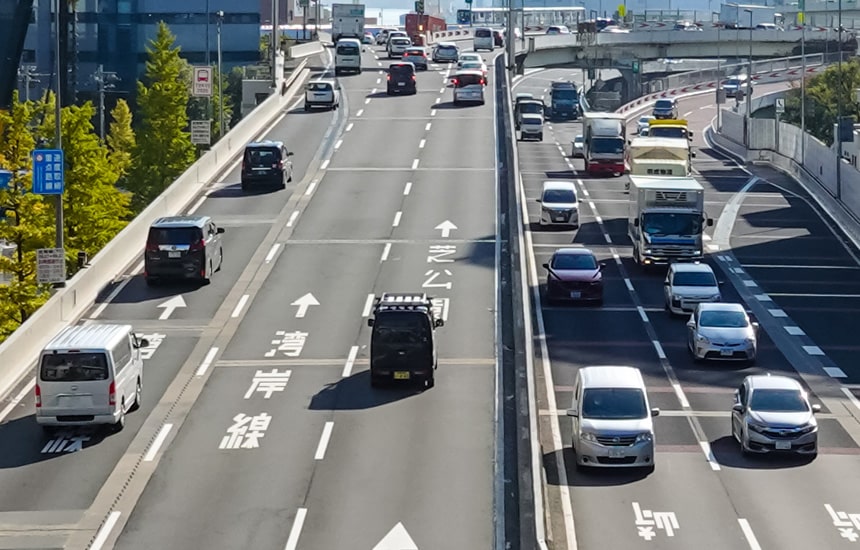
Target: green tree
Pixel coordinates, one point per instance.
(233, 89)
(164, 149)
(823, 92)
(120, 140)
(94, 209)
(26, 221)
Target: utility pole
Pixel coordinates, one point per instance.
(28, 74)
(748, 133)
(839, 113)
(220, 14)
(803, 88)
(719, 82)
(58, 135)
(105, 81)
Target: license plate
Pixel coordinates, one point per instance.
(174, 254)
(783, 445)
(400, 375)
(320, 96)
(401, 84)
(616, 453)
(726, 352)
(576, 294)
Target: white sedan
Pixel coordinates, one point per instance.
(475, 66)
(578, 147)
(467, 57)
(642, 124)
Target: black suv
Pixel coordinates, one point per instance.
(401, 79)
(402, 342)
(182, 247)
(266, 163)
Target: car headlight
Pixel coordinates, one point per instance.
(676, 298)
(756, 427)
(808, 429)
(716, 297)
(588, 436)
(647, 251)
(749, 341)
(702, 339)
(644, 436)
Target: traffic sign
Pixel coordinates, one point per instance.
(464, 17)
(50, 265)
(201, 132)
(622, 10)
(202, 84)
(48, 173)
(419, 6)
(780, 105)
(5, 178)
(591, 73)
(304, 3)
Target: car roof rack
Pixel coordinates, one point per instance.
(403, 301)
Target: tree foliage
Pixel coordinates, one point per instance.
(120, 140)
(164, 149)
(233, 89)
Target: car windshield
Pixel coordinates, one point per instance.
(174, 235)
(464, 80)
(723, 319)
(661, 224)
(483, 33)
(694, 278)
(562, 94)
(663, 104)
(401, 328)
(347, 49)
(261, 157)
(404, 70)
(574, 261)
(73, 367)
(446, 49)
(667, 131)
(732, 82)
(775, 400)
(614, 404)
(578, 140)
(560, 196)
(531, 108)
(607, 145)
(319, 86)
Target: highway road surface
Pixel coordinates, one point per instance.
(259, 428)
(778, 252)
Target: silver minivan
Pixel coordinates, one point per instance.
(558, 204)
(612, 425)
(90, 374)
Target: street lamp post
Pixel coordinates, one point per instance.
(839, 111)
(220, 14)
(58, 137)
(803, 88)
(105, 81)
(749, 85)
(719, 80)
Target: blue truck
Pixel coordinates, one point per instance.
(564, 101)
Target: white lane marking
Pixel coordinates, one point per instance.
(210, 356)
(350, 361)
(660, 353)
(846, 391)
(104, 532)
(442, 91)
(385, 252)
(373, 91)
(379, 63)
(359, 113)
(397, 218)
(835, 372)
(366, 101)
(274, 250)
(296, 531)
(238, 309)
(748, 533)
(703, 107)
(28, 387)
(422, 143)
(709, 455)
(597, 217)
(324, 164)
(787, 266)
(433, 112)
(750, 283)
(642, 314)
(726, 221)
(427, 127)
(688, 113)
(679, 393)
(628, 284)
(607, 238)
(797, 295)
(794, 331)
(311, 187)
(197, 205)
(378, 80)
(777, 313)
(159, 441)
(324, 437)
(114, 293)
(408, 188)
(338, 144)
(368, 304)
(763, 298)
(438, 99)
(415, 163)
(292, 219)
(616, 257)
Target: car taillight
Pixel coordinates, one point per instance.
(279, 165)
(413, 77)
(388, 77)
(454, 81)
(196, 246)
(151, 246)
(243, 165)
(112, 394)
(38, 396)
(483, 82)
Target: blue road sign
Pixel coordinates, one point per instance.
(48, 178)
(464, 17)
(5, 178)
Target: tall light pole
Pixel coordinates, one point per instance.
(839, 113)
(220, 14)
(719, 80)
(747, 134)
(58, 136)
(802, 87)
(105, 81)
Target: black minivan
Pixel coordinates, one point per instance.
(182, 247)
(266, 163)
(402, 79)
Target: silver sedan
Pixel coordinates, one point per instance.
(722, 331)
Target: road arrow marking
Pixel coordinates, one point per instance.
(169, 306)
(304, 303)
(446, 228)
(396, 539)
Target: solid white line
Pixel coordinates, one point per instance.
(324, 164)
(629, 284)
(326, 435)
(397, 218)
(785, 266)
(28, 387)
(660, 353)
(422, 143)
(349, 126)
(748, 533)
(709, 455)
(642, 314)
(274, 250)
(408, 188)
(350, 361)
(338, 144)
(359, 113)
(368, 304)
(159, 441)
(427, 127)
(679, 393)
(293, 540)
(385, 252)
(415, 164)
(197, 205)
(238, 309)
(115, 292)
(104, 532)
(846, 391)
(292, 219)
(311, 187)
(210, 356)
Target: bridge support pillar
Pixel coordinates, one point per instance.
(632, 87)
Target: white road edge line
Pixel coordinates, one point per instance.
(748, 533)
(311, 187)
(397, 218)
(28, 387)
(292, 219)
(159, 441)
(349, 126)
(385, 251)
(197, 205)
(104, 532)
(238, 309)
(324, 437)
(679, 393)
(210, 356)
(350, 361)
(114, 293)
(422, 143)
(408, 188)
(845, 390)
(368, 304)
(274, 250)
(709, 455)
(324, 164)
(415, 163)
(296, 531)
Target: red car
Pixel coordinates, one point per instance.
(574, 274)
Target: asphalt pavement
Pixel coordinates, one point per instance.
(703, 492)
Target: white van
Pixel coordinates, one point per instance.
(484, 39)
(347, 56)
(89, 374)
(612, 424)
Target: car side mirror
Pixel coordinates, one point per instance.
(737, 407)
(573, 413)
(546, 266)
(710, 222)
(636, 222)
(755, 325)
(439, 323)
(655, 412)
(219, 230)
(290, 154)
(602, 265)
(691, 324)
(693, 155)
(538, 200)
(816, 408)
(370, 322)
(142, 343)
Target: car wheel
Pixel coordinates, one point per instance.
(137, 397)
(290, 177)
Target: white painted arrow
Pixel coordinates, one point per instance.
(396, 539)
(446, 228)
(169, 306)
(304, 303)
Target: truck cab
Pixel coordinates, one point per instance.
(669, 128)
(604, 144)
(403, 339)
(528, 106)
(564, 101)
